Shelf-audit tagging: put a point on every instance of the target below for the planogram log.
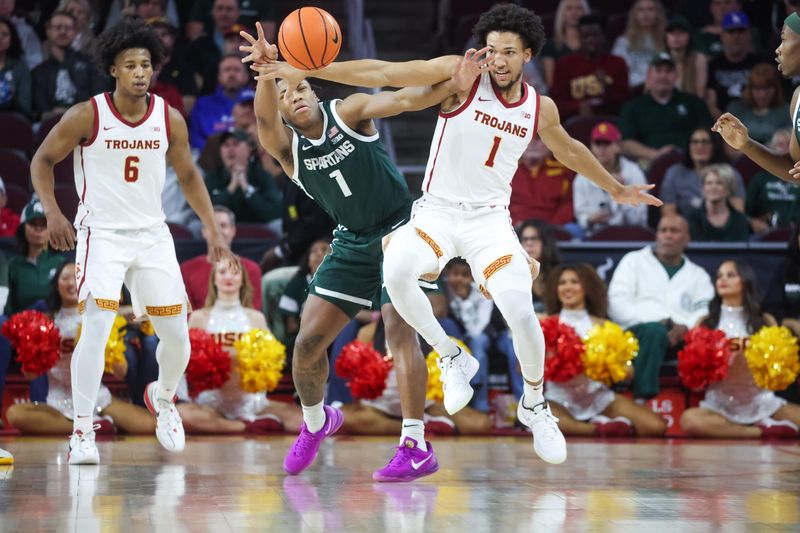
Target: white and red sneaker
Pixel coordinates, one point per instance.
(82, 449)
(777, 429)
(619, 426)
(169, 426)
(439, 425)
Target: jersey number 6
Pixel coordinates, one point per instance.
(131, 168)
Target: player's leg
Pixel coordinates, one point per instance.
(38, 419)
(131, 418)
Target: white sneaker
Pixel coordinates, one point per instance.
(82, 450)
(169, 426)
(457, 371)
(6, 458)
(548, 442)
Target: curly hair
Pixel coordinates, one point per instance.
(594, 290)
(515, 19)
(128, 33)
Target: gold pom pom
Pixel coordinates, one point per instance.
(609, 352)
(260, 358)
(115, 346)
(435, 391)
(146, 327)
(772, 357)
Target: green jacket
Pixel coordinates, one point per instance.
(263, 205)
(29, 282)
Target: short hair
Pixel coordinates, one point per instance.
(15, 47)
(126, 34)
(227, 210)
(725, 172)
(61, 13)
(515, 19)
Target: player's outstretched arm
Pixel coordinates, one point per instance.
(193, 186)
(360, 106)
(273, 134)
(736, 135)
(576, 156)
(76, 126)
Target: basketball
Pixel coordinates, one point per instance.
(309, 38)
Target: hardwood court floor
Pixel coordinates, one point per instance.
(484, 485)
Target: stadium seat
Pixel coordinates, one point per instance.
(561, 234)
(16, 197)
(179, 231)
(746, 167)
(776, 235)
(658, 168)
(67, 199)
(16, 132)
(580, 126)
(15, 168)
(624, 234)
(254, 231)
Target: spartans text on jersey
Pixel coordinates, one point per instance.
(332, 158)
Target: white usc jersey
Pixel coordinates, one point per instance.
(120, 171)
(477, 146)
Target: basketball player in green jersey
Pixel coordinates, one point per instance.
(332, 151)
(784, 166)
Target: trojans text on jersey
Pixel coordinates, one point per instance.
(502, 125)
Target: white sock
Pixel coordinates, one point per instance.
(314, 416)
(532, 396)
(414, 428)
(84, 424)
(446, 348)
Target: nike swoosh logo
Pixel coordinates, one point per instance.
(330, 425)
(335, 38)
(306, 147)
(484, 99)
(415, 465)
(106, 129)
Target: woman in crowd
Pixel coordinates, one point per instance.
(762, 107)
(55, 416)
(230, 409)
(691, 65)
(716, 219)
(736, 407)
(566, 38)
(584, 406)
(681, 191)
(15, 78)
(643, 38)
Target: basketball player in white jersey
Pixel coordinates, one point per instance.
(121, 142)
(463, 212)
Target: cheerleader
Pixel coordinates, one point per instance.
(584, 406)
(227, 315)
(736, 407)
(55, 416)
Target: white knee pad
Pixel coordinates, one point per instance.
(407, 257)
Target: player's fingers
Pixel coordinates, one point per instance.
(482, 51)
(246, 36)
(645, 187)
(260, 31)
(652, 200)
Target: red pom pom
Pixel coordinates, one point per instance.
(705, 357)
(209, 365)
(36, 339)
(564, 348)
(364, 369)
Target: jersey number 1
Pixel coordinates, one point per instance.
(495, 145)
(131, 168)
(337, 175)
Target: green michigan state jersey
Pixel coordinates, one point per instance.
(348, 174)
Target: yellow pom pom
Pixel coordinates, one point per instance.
(609, 352)
(772, 357)
(260, 358)
(435, 391)
(115, 347)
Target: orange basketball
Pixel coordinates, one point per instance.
(309, 38)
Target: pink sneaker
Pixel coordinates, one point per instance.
(305, 448)
(408, 463)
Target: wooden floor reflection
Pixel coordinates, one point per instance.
(493, 484)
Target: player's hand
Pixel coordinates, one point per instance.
(62, 234)
(279, 69)
(258, 49)
(218, 250)
(732, 130)
(635, 195)
(794, 173)
(468, 68)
